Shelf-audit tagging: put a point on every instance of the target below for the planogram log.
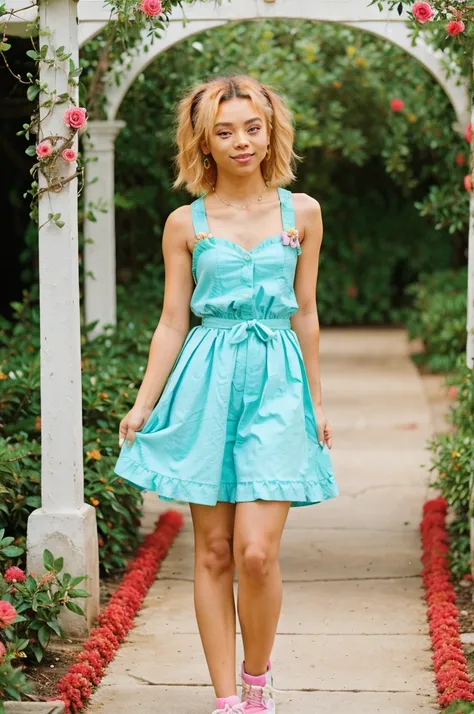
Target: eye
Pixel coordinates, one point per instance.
(254, 127)
(224, 133)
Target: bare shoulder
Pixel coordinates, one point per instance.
(178, 229)
(308, 217)
(306, 206)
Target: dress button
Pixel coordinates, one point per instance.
(247, 258)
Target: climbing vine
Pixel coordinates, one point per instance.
(56, 153)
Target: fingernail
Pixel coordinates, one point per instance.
(121, 442)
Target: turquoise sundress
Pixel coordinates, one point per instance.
(235, 421)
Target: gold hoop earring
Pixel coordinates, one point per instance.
(206, 163)
(268, 154)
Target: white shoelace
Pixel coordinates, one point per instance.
(254, 695)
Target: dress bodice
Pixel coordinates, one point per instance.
(235, 283)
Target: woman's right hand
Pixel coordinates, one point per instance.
(134, 421)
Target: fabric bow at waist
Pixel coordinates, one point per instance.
(263, 328)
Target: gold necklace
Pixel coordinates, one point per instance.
(240, 207)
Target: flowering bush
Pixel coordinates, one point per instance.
(453, 462)
(112, 372)
(75, 688)
(452, 678)
(30, 606)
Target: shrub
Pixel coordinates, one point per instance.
(438, 318)
(453, 460)
(112, 369)
(37, 602)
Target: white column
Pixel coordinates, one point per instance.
(63, 524)
(470, 282)
(99, 249)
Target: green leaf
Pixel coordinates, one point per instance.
(4, 46)
(78, 593)
(48, 558)
(59, 564)
(12, 551)
(33, 54)
(75, 608)
(55, 626)
(38, 652)
(43, 636)
(32, 92)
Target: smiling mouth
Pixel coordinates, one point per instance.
(242, 156)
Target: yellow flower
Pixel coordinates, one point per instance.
(94, 501)
(337, 84)
(351, 50)
(3, 376)
(125, 394)
(104, 395)
(412, 118)
(442, 475)
(94, 454)
(109, 488)
(268, 35)
(361, 62)
(455, 454)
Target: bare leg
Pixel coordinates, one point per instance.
(213, 592)
(257, 535)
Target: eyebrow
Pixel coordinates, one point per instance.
(229, 123)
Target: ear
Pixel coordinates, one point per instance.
(205, 148)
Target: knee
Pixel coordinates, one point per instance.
(255, 560)
(216, 556)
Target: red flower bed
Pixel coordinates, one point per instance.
(452, 679)
(75, 688)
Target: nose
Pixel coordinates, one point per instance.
(241, 140)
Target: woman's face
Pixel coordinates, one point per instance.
(239, 138)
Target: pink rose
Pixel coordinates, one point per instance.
(453, 392)
(69, 155)
(7, 614)
(422, 11)
(151, 7)
(3, 650)
(44, 149)
(455, 27)
(468, 182)
(75, 117)
(14, 575)
(468, 133)
(397, 105)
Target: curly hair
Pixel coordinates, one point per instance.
(196, 114)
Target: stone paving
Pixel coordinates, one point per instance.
(352, 638)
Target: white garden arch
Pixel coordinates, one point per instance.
(99, 254)
(64, 523)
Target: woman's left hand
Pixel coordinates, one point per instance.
(324, 427)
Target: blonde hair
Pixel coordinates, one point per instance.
(196, 115)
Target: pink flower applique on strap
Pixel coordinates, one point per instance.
(291, 238)
(201, 236)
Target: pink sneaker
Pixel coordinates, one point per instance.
(228, 706)
(257, 693)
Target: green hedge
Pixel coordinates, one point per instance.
(112, 369)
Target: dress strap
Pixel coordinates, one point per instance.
(287, 209)
(198, 212)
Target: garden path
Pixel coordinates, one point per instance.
(352, 637)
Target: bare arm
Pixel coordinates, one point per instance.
(305, 321)
(173, 325)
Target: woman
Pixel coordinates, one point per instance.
(229, 416)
